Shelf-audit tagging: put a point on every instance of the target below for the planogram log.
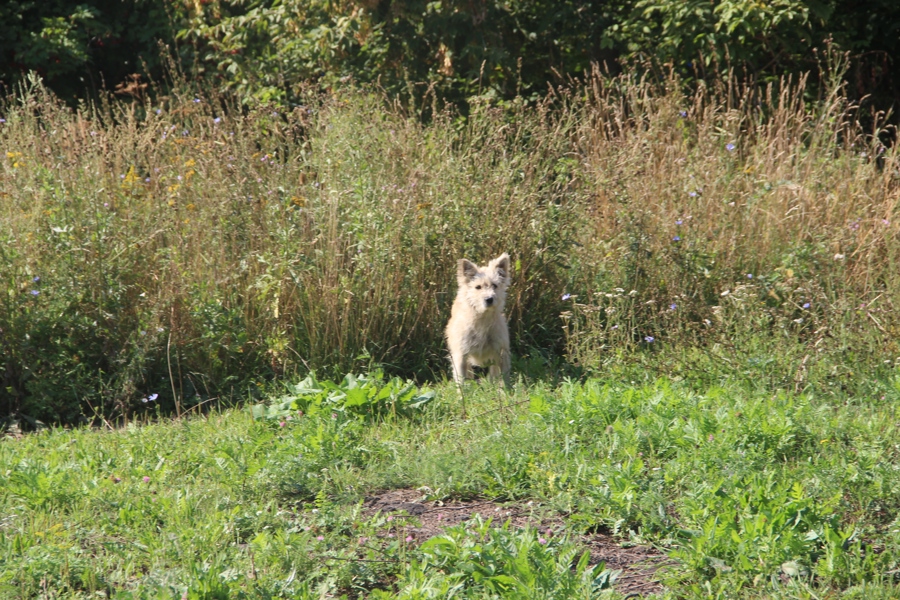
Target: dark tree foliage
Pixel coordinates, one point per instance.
(80, 47)
(449, 49)
(455, 48)
(870, 31)
(766, 40)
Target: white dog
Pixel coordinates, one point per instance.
(477, 334)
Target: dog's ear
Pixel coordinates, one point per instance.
(501, 263)
(466, 270)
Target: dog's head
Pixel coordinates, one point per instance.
(484, 288)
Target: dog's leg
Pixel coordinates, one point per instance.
(460, 368)
(499, 369)
(505, 361)
(501, 372)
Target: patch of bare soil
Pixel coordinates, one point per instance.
(638, 564)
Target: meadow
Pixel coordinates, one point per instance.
(750, 495)
(703, 324)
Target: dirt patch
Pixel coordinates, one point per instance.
(638, 564)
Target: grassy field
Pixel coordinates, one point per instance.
(702, 311)
(751, 495)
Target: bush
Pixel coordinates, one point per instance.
(77, 48)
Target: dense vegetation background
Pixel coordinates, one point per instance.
(272, 49)
(276, 187)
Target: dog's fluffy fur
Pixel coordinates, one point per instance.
(477, 334)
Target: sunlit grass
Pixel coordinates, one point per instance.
(752, 495)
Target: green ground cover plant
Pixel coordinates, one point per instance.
(751, 494)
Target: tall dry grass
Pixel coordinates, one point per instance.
(735, 215)
(191, 250)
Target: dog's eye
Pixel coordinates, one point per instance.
(477, 287)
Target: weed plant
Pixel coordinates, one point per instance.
(187, 249)
(752, 495)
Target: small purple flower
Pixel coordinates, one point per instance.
(885, 222)
(566, 297)
(692, 194)
(178, 178)
(682, 114)
(806, 305)
(146, 180)
(217, 120)
(541, 541)
(749, 275)
(614, 327)
(36, 279)
(2, 120)
(185, 132)
(677, 238)
(143, 333)
(158, 111)
(334, 416)
(121, 177)
(673, 306)
(282, 424)
(409, 538)
(146, 479)
(730, 147)
(679, 222)
(321, 538)
(34, 292)
(649, 339)
(115, 479)
(710, 438)
(196, 100)
(152, 397)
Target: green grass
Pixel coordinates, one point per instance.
(752, 494)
